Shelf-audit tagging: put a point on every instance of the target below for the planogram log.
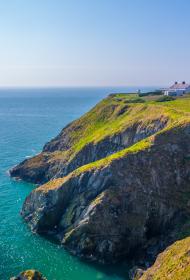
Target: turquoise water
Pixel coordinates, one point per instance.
(28, 119)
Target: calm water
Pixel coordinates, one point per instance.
(28, 119)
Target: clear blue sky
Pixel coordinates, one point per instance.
(94, 42)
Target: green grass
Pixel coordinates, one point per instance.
(105, 120)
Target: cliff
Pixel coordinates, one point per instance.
(116, 180)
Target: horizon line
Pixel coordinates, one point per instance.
(81, 86)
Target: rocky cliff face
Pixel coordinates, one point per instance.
(131, 198)
(104, 212)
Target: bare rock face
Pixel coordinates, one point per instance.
(29, 275)
(105, 211)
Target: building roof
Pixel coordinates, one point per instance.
(179, 86)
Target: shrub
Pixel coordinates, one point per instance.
(157, 92)
(165, 98)
(135, 100)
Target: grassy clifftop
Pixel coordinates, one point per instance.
(119, 111)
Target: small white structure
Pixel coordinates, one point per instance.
(178, 89)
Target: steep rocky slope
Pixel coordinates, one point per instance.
(104, 210)
(133, 196)
(173, 263)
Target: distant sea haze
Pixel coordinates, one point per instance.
(72, 91)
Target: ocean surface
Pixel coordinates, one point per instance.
(28, 119)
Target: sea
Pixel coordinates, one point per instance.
(29, 117)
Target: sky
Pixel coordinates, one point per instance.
(49, 43)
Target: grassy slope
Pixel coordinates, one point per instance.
(177, 111)
(105, 119)
(115, 113)
(173, 263)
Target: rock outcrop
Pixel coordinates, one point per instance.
(120, 191)
(29, 275)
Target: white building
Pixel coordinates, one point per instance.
(177, 89)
